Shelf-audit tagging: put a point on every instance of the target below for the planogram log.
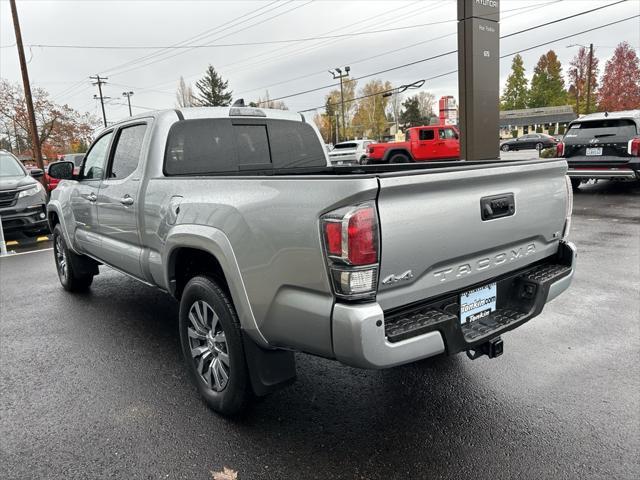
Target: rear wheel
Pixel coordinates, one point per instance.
(71, 279)
(504, 148)
(399, 158)
(212, 346)
(539, 146)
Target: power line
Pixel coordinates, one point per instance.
(224, 36)
(201, 35)
(445, 54)
(521, 11)
(246, 44)
(451, 72)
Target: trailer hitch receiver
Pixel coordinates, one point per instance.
(492, 349)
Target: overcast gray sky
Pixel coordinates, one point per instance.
(282, 68)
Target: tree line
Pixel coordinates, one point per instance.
(617, 89)
(61, 129)
(368, 111)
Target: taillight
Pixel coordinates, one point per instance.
(634, 147)
(350, 237)
(559, 149)
(569, 210)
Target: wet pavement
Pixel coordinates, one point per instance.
(93, 386)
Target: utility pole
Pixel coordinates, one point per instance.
(100, 81)
(27, 87)
(337, 74)
(589, 77)
(128, 95)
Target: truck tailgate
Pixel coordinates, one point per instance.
(434, 239)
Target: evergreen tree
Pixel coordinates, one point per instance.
(213, 90)
(516, 90)
(621, 81)
(547, 84)
(411, 116)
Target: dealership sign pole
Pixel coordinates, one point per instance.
(478, 78)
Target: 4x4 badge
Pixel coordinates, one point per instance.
(396, 278)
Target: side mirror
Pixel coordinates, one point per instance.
(61, 170)
(36, 172)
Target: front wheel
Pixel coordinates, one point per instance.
(72, 280)
(504, 148)
(539, 146)
(212, 346)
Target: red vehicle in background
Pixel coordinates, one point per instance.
(76, 158)
(432, 142)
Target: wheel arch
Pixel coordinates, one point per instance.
(395, 151)
(197, 249)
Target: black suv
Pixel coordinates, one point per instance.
(603, 146)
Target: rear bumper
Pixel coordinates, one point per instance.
(604, 167)
(367, 337)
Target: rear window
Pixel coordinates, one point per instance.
(346, 145)
(606, 128)
(227, 146)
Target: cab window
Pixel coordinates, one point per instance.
(95, 160)
(427, 135)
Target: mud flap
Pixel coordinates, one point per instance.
(269, 370)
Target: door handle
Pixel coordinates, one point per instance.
(126, 200)
(92, 197)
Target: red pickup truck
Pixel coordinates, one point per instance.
(433, 142)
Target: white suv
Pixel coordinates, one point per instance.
(353, 151)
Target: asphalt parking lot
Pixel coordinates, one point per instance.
(93, 386)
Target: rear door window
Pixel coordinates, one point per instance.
(427, 135)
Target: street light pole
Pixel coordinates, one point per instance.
(128, 95)
(589, 77)
(340, 75)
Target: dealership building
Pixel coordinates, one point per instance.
(549, 120)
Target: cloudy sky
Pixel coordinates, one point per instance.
(273, 45)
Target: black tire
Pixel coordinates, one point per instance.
(539, 146)
(399, 158)
(66, 262)
(363, 160)
(230, 396)
(575, 184)
(504, 148)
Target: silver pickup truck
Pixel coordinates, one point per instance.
(237, 213)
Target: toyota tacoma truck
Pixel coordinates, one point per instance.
(270, 250)
(602, 146)
(434, 142)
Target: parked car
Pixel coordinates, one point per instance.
(603, 146)
(530, 141)
(433, 142)
(235, 212)
(351, 152)
(23, 199)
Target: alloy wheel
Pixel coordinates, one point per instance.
(208, 345)
(61, 258)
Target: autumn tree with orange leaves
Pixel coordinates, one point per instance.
(61, 129)
(620, 86)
